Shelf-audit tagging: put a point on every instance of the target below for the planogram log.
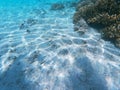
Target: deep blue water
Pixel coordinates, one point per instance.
(39, 50)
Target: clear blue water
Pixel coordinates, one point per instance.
(39, 50)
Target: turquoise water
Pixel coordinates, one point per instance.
(39, 50)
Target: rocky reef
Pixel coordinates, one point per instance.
(103, 15)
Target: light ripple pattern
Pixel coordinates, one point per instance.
(39, 50)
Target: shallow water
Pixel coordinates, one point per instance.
(39, 50)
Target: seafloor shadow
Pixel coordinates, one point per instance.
(87, 78)
(13, 78)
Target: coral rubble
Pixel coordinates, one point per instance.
(103, 15)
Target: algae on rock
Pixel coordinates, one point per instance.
(103, 15)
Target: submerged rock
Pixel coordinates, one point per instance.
(28, 31)
(57, 6)
(103, 15)
(22, 26)
(118, 42)
(29, 22)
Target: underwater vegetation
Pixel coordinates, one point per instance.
(103, 15)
